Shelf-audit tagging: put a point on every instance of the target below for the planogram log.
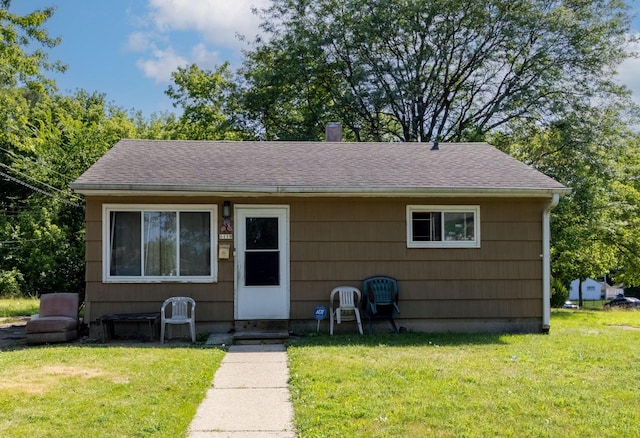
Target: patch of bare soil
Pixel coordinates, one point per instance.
(626, 327)
(12, 331)
(27, 379)
(13, 336)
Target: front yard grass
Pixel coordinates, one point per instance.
(14, 307)
(101, 391)
(581, 380)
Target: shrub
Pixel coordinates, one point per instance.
(559, 293)
(11, 283)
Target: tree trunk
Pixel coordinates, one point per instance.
(580, 293)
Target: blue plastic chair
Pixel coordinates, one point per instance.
(381, 299)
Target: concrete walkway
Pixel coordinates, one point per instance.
(249, 397)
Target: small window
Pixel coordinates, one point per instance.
(443, 226)
(159, 243)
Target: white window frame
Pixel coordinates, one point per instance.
(212, 209)
(475, 209)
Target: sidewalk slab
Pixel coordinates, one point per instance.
(255, 357)
(249, 396)
(246, 410)
(251, 375)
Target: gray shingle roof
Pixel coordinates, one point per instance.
(268, 167)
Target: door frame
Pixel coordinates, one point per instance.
(246, 210)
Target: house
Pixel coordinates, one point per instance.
(610, 292)
(591, 290)
(265, 230)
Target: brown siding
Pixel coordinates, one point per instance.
(339, 241)
(343, 241)
(214, 300)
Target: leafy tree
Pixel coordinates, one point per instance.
(43, 237)
(417, 71)
(624, 213)
(46, 141)
(593, 152)
(18, 34)
(207, 99)
(159, 126)
(23, 64)
(287, 100)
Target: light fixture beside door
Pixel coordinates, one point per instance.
(226, 220)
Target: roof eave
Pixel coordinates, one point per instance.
(165, 190)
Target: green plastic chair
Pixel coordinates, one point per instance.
(381, 299)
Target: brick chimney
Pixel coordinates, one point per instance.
(333, 132)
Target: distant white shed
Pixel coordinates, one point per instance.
(591, 290)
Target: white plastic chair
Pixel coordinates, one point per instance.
(349, 300)
(180, 314)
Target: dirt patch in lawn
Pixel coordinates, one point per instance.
(626, 327)
(82, 372)
(12, 331)
(13, 336)
(33, 380)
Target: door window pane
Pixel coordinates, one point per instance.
(262, 268)
(262, 232)
(160, 243)
(262, 258)
(125, 243)
(195, 243)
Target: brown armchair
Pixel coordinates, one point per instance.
(57, 320)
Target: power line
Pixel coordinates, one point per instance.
(36, 180)
(16, 180)
(43, 183)
(36, 163)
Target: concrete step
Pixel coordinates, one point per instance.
(255, 337)
(262, 325)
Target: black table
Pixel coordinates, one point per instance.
(152, 319)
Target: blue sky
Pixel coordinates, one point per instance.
(127, 49)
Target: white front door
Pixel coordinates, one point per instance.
(262, 262)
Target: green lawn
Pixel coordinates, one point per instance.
(100, 391)
(13, 307)
(96, 390)
(581, 380)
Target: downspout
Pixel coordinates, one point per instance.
(546, 262)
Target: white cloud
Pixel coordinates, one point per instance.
(140, 42)
(218, 21)
(161, 64)
(166, 35)
(628, 73)
(206, 59)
